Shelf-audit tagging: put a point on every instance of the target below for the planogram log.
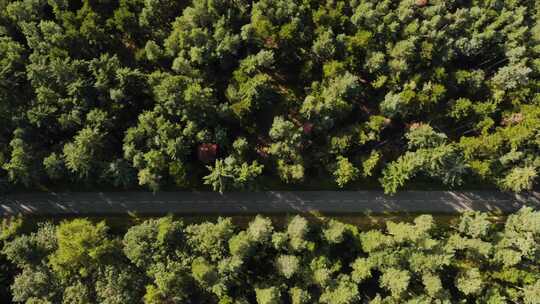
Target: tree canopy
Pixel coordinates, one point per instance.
(128, 92)
(474, 259)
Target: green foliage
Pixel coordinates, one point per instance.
(54, 166)
(82, 246)
(345, 171)
(77, 293)
(369, 164)
(297, 232)
(361, 270)
(32, 285)
(210, 239)
(431, 156)
(10, 226)
(20, 252)
(19, 166)
(270, 295)
(399, 172)
(520, 179)
(531, 293)
(153, 240)
(117, 285)
(170, 284)
(424, 136)
(396, 281)
(260, 229)
(331, 99)
(203, 272)
(80, 154)
(287, 265)
(335, 232)
(164, 261)
(432, 284)
(475, 225)
(469, 281)
(341, 292)
(240, 245)
(287, 141)
(29, 250)
(229, 173)
(299, 296)
(124, 93)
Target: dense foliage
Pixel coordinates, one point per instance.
(163, 261)
(133, 92)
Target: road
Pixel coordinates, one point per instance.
(147, 203)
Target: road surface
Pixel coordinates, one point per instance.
(147, 203)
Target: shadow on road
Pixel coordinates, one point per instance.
(327, 202)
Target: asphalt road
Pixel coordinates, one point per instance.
(147, 203)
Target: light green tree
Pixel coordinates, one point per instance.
(82, 246)
(345, 171)
(270, 295)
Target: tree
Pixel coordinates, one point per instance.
(396, 281)
(203, 272)
(431, 155)
(13, 85)
(469, 281)
(77, 293)
(210, 240)
(361, 269)
(253, 88)
(345, 171)
(297, 232)
(156, 16)
(299, 296)
(343, 291)
(531, 293)
(206, 34)
(335, 232)
(423, 136)
(370, 163)
(241, 245)
(153, 241)
(80, 155)
(351, 79)
(396, 174)
(162, 261)
(29, 250)
(276, 24)
(82, 246)
(34, 284)
(286, 146)
(120, 173)
(260, 229)
(54, 165)
(20, 163)
(332, 99)
(287, 265)
(230, 173)
(270, 295)
(520, 179)
(217, 177)
(170, 284)
(119, 284)
(163, 138)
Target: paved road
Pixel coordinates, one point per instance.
(146, 203)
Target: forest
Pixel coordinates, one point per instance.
(241, 94)
(474, 259)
